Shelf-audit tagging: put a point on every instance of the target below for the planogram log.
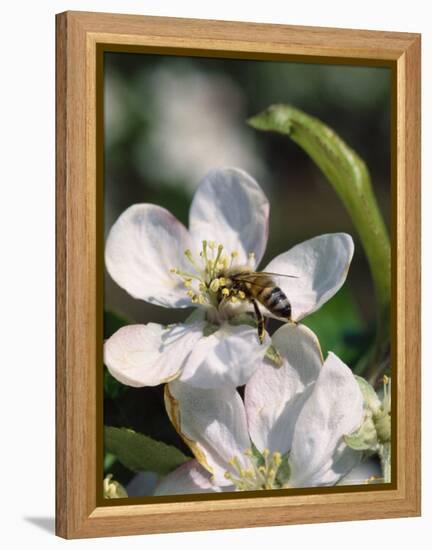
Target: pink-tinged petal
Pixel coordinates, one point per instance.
(335, 408)
(275, 395)
(189, 478)
(212, 423)
(320, 266)
(143, 245)
(228, 357)
(149, 355)
(230, 208)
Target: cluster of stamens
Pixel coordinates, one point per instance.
(260, 475)
(206, 281)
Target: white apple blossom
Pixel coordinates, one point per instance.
(288, 432)
(155, 258)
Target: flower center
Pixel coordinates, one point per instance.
(208, 281)
(264, 472)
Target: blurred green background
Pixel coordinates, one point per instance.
(168, 120)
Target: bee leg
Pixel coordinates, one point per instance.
(260, 321)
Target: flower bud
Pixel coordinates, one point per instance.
(113, 489)
(376, 427)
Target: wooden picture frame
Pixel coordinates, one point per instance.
(81, 38)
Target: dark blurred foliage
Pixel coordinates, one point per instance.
(169, 119)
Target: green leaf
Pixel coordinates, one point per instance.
(339, 327)
(112, 388)
(349, 177)
(139, 452)
(109, 460)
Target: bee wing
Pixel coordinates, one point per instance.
(270, 274)
(252, 276)
(257, 279)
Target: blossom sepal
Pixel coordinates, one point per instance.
(365, 438)
(375, 430)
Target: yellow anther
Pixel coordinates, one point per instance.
(202, 287)
(386, 379)
(173, 270)
(190, 293)
(241, 295)
(254, 477)
(214, 285)
(201, 299)
(212, 245)
(233, 300)
(223, 262)
(222, 281)
(225, 292)
(195, 299)
(187, 283)
(277, 459)
(234, 254)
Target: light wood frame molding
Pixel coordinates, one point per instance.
(79, 35)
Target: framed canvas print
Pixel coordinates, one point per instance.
(238, 274)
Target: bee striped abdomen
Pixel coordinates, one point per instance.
(274, 299)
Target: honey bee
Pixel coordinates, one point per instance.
(257, 287)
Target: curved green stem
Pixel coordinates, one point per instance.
(349, 177)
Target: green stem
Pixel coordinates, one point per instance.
(349, 177)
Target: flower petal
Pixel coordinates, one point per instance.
(142, 484)
(334, 409)
(189, 478)
(212, 423)
(230, 208)
(368, 471)
(143, 245)
(274, 396)
(148, 355)
(228, 357)
(320, 266)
